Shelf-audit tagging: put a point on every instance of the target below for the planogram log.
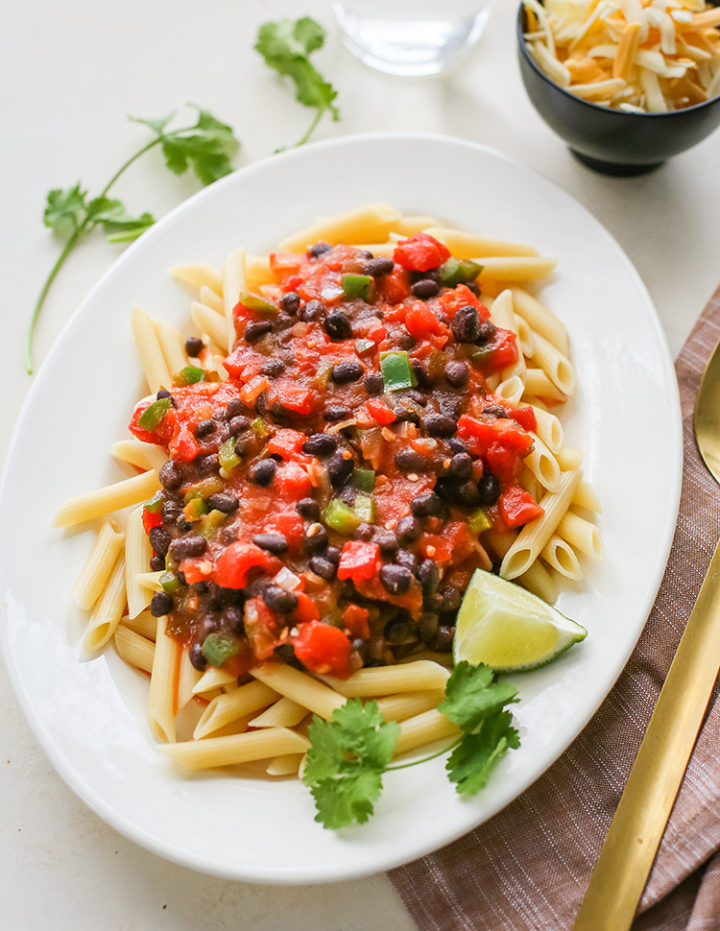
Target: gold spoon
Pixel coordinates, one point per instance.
(627, 855)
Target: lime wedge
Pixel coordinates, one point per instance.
(508, 628)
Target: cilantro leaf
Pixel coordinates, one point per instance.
(286, 46)
(65, 210)
(116, 222)
(346, 760)
(207, 155)
(470, 763)
(157, 125)
(471, 695)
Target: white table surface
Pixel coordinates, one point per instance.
(69, 74)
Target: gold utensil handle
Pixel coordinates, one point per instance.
(624, 863)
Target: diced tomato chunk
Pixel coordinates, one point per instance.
(322, 648)
(504, 462)
(420, 321)
(525, 416)
(293, 480)
(518, 506)
(379, 411)
(296, 398)
(394, 287)
(420, 252)
(358, 560)
(306, 609)
(196, 569)
(461, 296)
(286, 443)
(356, 621)
(151, 519)
(234, 564)
(285, 264)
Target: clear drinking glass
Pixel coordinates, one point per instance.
(411, 37)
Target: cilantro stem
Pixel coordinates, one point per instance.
(425, 759)
(77, 235)
(311, 129)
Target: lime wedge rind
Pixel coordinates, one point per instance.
(510, 629)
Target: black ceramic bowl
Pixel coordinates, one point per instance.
(613, 141)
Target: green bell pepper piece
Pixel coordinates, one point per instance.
(364, 345)
(194, 510)
(396, 370)
(190, 375)
(170, 582)
(217, 648)
(478, 521)
(229, 459)
(338, 516)
(356, 286)
(364, 479)
(259, 427)
(365, 508)
(257, 303)
(152, 416)
(457, 271)
(154, 505)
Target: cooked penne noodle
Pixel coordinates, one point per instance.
(287, 765)
(561, 557)
(105, 500)
(133, 648)
(543, 465)
(211, 322)
(379, 248)
(213, 679)
(514, 268)
(148, 346)
(172, 345)
(555, 365)
(107, 612)
(149, 580)
(299, 686)
(581, 535)
(364, 224)
(541, 320)
(162, 703)
(526, 338)
(188, 678)
(569, 459)
(98, 567)
(138, 554)
(409, 225)
(224, 709)
(468, 245)
(424, 729)
(233, 275)
(540, 582)
(144, 624)
(142, 455)
(388, 680)
(198, 276)
(533, 536)
(538, 385)
(402, 706)
(257, 272)
(549, 429)
(586, 498)
(211, 299)
(511, 390)
(282, 713)
(501, 312)
(239, 748)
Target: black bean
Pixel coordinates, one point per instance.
(395, 579)
(428, 575)
(164, 393)
(207, 465)
(427, 626)
(313, 310)
(456, 445)
(466, 325)
(272, 368)
(210, 624)
(238, 424)
(319, 249)
(232, 619)
(222, 502)
(333, 553)
(489, 488)
(323, 567)
(457, 373)
(204, 428)
(161, 604)
(171, 511)
(184, 547)
(386, 540)
(337, 326)
(486, 331)
(339, 469)
(408, 529)
(194, 346)
(308, 508)
(399, 629)
(439, 424)
(364, 532)
(446, 488)
(425, 288)
(282, 322)
(360, 647)
(347, 371)
(320, 444)
(451, 599)
(157, 563)
(197, 657)
(461, 466)
(410, 460)
(336, 412)
(407, 414)
(256, 329)
(347, 495)
(170, 475)
(279, 599)
(374, 384)
(263, 472)
(160, 540)
(183, 526)
(275, 543)
(227, 536)
(286, 653)
(261, 405)
(443, 640)
(497, 410)
(378, 267)
(315, 539)
(406, 558)
(417, 396)
(290, 302)
(469, 494)
(426, 504)
(234, 407)
(423, 377)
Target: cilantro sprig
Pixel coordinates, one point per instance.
(349, 754)
(286, 46)
(72, 213)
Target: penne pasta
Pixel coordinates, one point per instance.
(98, 567)
(211, 322)
(142, 455)
(561, 557)
(224, 709)
(233, 275)
(172, 346)
(569, 459)
(423, 729)
(554, 364)
(213, 679)
(581, 535)
(282, 713)
(514, 268)
(148, 346)
(402, 706)
(211, 299)
(540, 319)
(107, 612)
(240, 748)
(138, 553)
(365, 224)
(300, 687)
(144, 624)
(543, 464)
(133, 648)
(387, 680)
(198, 276)
(162, 703)
(468, 245)
(105, 500)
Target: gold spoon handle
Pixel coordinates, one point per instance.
(624, 863)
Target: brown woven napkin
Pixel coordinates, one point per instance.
(528, 867)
